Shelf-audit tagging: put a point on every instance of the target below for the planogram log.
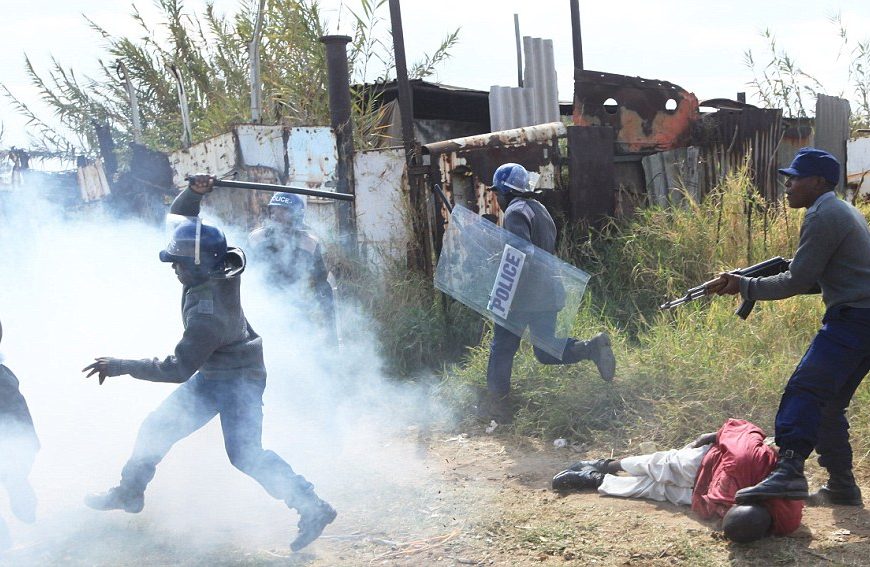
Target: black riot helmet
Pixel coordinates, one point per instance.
(196, 250)
(195, 243)
(746, 523)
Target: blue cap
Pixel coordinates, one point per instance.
(809, 162)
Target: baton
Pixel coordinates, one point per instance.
(440, 193)
(230, 184)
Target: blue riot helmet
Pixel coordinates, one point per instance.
(512, 178)
(194, 244)
(287, 208)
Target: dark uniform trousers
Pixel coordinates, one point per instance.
(812, 412)
(505, 345)
(239, 402)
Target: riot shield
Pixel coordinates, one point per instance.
(504, 278)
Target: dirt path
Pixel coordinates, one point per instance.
(470, 499)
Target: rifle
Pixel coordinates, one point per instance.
(769, 267)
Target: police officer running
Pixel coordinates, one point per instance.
(529, 219)
(295, 256)
(833, 254)
(219, 364)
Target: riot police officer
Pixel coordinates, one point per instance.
(294, 256)
(530, 220)
(219, 364)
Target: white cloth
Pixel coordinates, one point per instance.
(663, 476)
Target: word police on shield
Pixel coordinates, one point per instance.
(505, 287)
(505, 278)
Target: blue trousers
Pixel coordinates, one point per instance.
(239, 402)
(505, 345)
(812, 412)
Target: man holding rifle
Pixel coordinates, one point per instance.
(833, 253)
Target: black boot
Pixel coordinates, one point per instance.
(599, 465)
(786, 481)
(599, 351)
(496, 407)
(118, 498)
(840, 490)
(314, 515)
(577, 480)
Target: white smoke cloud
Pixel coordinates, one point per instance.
(81, 284)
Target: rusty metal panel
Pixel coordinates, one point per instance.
(467, 165)
(262, 146)
(832, 127)
(382, 204)
(591, 172)
(858, 167)
(641, 118)
(216, 156)
(733, 137)
(92, 181)
(312, 156)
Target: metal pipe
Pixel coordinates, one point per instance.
(440, 193)
(421, 256)
(254, 70)
(576, 38)
(232, 184)
(505, 138)
(519, 50)
(338, 87)
(406, 100)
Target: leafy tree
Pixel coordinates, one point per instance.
(210, 52)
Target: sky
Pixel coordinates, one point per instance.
(697, 45)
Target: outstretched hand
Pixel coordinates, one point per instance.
(100, 367)
(201, 183)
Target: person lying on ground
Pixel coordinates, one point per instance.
(705, 474)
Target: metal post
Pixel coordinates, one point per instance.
(575, 34)
(340, 120)
(254, 63)
(421, 255)
(186, 134)
(406, 101)
(134, 103)
(519, 50)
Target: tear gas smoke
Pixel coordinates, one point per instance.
(80, 285)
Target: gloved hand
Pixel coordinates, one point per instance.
(103, 367)
(201, 183)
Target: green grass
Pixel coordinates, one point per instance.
(682, 372)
